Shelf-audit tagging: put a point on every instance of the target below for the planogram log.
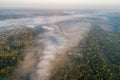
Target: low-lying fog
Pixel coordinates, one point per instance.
(60, 34)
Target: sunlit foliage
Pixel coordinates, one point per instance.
(12, 45)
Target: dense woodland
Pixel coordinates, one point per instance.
(12, 46)
(97, 57)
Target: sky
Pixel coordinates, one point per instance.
(60, 4)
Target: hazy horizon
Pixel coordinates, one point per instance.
(59, 4)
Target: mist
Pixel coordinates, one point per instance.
(60, 26)
(58, 37)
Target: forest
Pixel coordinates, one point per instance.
(12, 46)
(97, 57)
